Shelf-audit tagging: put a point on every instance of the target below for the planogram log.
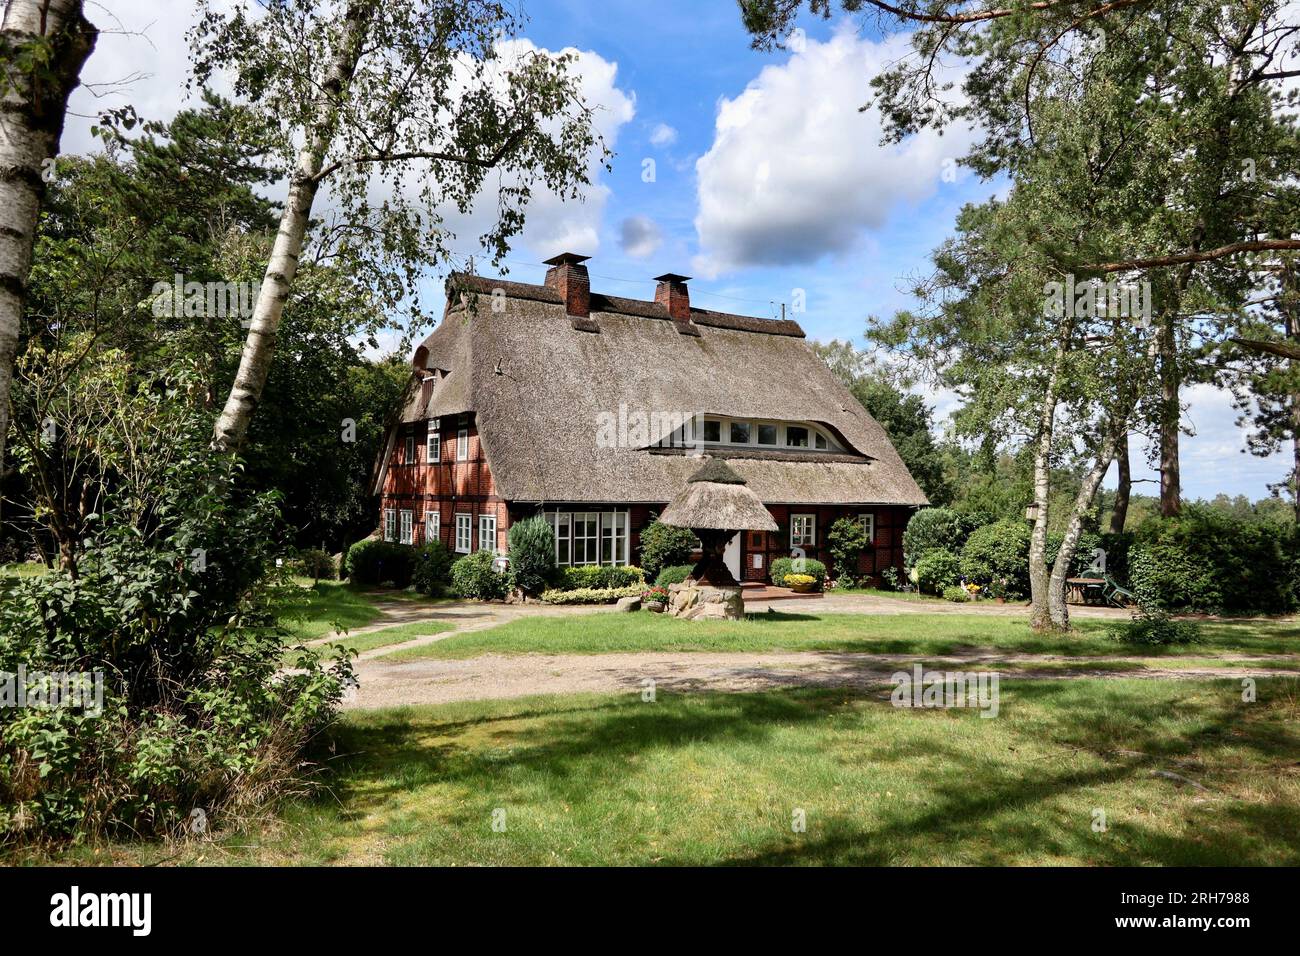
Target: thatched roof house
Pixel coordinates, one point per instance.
(574, 398)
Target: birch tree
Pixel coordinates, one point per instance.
(43, 46)
(398, 111)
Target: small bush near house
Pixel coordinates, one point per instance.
(375, 562)
(847, 540)
(998, 550)
(431, 568)
(889, 578)
(783, 566)
(316, 564)
(532, 555)
(664, 546)
(472, 577)
(1156, 629)
(590, 595)
(674, 575)
(957, 593)
(932, 528)
(600, 576)
(937, 570)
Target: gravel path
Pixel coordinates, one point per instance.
(385, 683)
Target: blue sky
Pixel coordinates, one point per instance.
(767, 179)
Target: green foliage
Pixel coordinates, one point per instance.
(1207, 560)
(601, 576)
(956, 593)
(674, 575)
(374, 562)
(932, 528)
(783, 566)
(1085, 550)
(889, 578)
(847, 539)
(998, 551)
(664, 546)
(532, 554)
(316, 564)
(431, 568)
(175, 610)
(472, 577)
(936, 570)
(591, 595)
(1155, 628)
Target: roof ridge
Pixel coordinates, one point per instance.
(622, 305)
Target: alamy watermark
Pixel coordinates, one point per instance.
(1093, 298)
(922, 688)
(51, 689)
(212, 300)
(639, 427)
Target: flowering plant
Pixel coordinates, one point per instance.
(655, 595)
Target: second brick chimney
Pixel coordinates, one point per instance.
(568, 276)
(672, 295)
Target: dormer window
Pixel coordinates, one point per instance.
(796, 436)
(741, 433)
(712, 430)
(767, 434)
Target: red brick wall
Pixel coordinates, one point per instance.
(887, 547)
(448, 486)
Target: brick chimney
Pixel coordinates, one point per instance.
(568, 276)
(672, 295)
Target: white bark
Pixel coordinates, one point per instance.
(231, 427)
(1039, 580)
(1060, 611)
(31, 123)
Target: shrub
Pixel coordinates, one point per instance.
(1207, 560)
(674, 575)
(590, 595)
(783, 566)
(431, 568)
(996, 551)
(371, 561)
(957, 593)
(1085, 551)
(932, 528)
(1156, 629)
(316, 564)
(472, 577)
(936, 570)
(600, 576)
(847, 539)
(655, 595)
(532, 554)
(664, 546)
(889, 578)
(196, 710)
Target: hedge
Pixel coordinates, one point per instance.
(783, 566)
(371, 561)
(590, 595)
(674, 575)
(998, 551)
(932, 528)
(600, 576)
(937, 570)
(472, 577)
(431, 568)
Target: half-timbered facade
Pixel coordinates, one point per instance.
(592, 410)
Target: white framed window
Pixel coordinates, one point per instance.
(434, 452)
(464, 533)
(712, 431)
(869, 526)
(462, 444)
(560, 524)
(586, 532)
(766, 434)
(410, 450)
(613, 537)
(796, 436)
(803, 531)
(819, 440)
(408, 527)
(487, 532)
(740, 433)
(432, 525)
(390, 524)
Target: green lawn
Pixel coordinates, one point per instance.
(370, 640)
(879, 633)
(718, 778)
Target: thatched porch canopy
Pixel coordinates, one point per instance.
(716, 498)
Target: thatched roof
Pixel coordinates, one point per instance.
(541, 388)
(716, 497)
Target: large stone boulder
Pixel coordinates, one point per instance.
(704, 602)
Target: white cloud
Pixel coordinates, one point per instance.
(663, 135)
(796, 173)
(640, 236)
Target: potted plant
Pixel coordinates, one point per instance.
(801, 583)
(998, 590)
(655, 599)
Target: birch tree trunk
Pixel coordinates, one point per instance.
(231, 427)
(31, 124)
(1060, 611)
(1039, 582)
